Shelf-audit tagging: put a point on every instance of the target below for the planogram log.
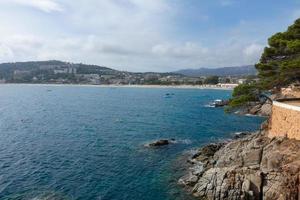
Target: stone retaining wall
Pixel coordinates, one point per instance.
(285, 120)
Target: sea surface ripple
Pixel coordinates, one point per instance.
(88, 142)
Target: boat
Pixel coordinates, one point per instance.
(219, 103)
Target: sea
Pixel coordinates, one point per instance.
(85, 143)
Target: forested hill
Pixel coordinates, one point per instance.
(224, 71)
(7, 69)
(54, 71)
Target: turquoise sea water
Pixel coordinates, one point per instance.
(70, 142)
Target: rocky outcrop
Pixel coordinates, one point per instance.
(265, 110)
(256, 108)
(259, 109)
(253, 167)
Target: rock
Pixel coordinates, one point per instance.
(207, 151)
(188, 180)
(252, 157)
(246, 185)
(162, 142)
(274, 161)
(264, 125)
(251, 167)
(159, 143)
(281, 186)
(240, 135)
(198, 169)
(254, 110)
(255, 182)
(266, 109)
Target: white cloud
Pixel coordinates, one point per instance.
(135, 35)
(253, 50)
(187, 49)
(158, 57)
(5, 53)
(43, 5)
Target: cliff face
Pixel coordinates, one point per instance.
(254, 167)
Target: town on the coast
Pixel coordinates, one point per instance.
(149, 100)
(58, 72)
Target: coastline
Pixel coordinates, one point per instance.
(251, 166)
(213, 87)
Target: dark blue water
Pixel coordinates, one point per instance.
(87, 142)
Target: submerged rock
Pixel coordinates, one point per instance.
(162, 142)
(251, 167)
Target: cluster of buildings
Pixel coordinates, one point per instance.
(77, 73)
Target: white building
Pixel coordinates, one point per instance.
(69, 70)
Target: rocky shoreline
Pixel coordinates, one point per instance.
(250, 167)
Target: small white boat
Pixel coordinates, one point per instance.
(218, 103)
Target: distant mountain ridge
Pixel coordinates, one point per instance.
(223, 71)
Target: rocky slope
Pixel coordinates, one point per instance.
(253, 167)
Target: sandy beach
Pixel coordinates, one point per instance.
(215, 87)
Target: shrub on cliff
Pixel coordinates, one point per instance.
(242, 94)
(279, 66)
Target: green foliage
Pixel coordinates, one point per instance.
(243, 94)
(280, 62)
(244, 89)
(279, 66)
(241, 100)
(212, 80)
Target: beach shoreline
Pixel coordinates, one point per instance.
(214, 87)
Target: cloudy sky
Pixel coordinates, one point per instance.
(142, 35)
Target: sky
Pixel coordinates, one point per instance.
(142, 35)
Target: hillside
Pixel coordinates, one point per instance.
(224, 71)
(54, 71)
(60, 72)
(7, 69)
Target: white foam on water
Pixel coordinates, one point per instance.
(208, 106)
(182, 141)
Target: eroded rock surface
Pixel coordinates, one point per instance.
(256, 108)
(254, 167)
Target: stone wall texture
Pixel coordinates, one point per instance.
(285, 121)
